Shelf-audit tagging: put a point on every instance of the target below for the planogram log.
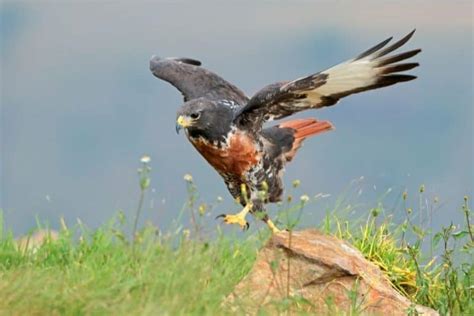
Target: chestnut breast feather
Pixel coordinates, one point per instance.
(236, 158)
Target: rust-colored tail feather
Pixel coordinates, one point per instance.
(307, 127)
(304, 128)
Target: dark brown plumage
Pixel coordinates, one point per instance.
(226, 126)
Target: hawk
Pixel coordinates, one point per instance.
(227, 127)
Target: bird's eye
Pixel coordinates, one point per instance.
(195, 116)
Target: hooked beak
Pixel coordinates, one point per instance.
(182, 122)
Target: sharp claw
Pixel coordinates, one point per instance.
(233, 219)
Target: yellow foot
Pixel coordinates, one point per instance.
(238, 218)
(272, 227)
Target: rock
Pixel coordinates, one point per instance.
(326, 276)
(38, 238)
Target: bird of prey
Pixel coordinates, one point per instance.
(227, 127)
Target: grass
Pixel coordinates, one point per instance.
(103, 274)
(443, 282)
(183, 272)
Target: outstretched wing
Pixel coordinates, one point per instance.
(194, 81)
(372, 69)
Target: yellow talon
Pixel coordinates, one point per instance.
(238, 218)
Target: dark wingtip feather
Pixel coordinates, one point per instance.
(396, 45)
(401, 78)
(373, 49)
(393, 79)
(398, 68)
(396, 58)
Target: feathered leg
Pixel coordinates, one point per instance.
(259, 211)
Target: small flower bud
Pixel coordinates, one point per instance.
(375, 212)
(304, 198)
(202, 209)
(186, 233)
(422, 188)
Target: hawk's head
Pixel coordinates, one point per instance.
(205, 118)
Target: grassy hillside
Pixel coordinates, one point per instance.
(101, 274)
(181, 271)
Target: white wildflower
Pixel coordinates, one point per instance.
(145, 159)
(304, 198)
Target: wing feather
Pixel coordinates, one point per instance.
(372, 69)
(194, 81)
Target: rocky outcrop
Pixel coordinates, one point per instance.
(322, 275)
(35, 240)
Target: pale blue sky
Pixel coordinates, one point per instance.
(79, 106)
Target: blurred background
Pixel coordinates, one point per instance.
(79, 106)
